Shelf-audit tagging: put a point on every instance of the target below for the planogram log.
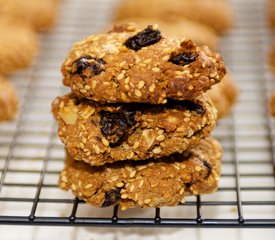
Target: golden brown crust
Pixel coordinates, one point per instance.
(217, 14)
(197, 32)
(18, 45)
(163, 182)
(224, 95)
(158, 130)
(41, 15)
(8, 100)
(115, 73)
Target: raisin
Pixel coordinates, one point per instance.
(188, 185)
(145, 38)
(88, 66)
(193, 107)
(184, 58)
(111, 197)
(208, 167)
(116, 126)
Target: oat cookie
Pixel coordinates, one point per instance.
(271, 10)
(8, 100)
(18, 45)
(41, 15)
(163, 182)
(224, 95)
(272, 58)
(99, 134)
(217, 14)
(272, 104)
(199, 33)
(128, 65)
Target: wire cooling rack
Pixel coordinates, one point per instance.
(31, 156)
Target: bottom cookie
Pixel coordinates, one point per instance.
(8, 100)
(152, 183)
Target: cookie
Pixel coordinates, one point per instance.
(197, 32)
(99, 134)
(272, 58)
(271, 10)
(224, 95)
(8, 100)
(151, 183)
(128, 65)
(41, 15)
(18, 45)
(272, 104)
(217, 14)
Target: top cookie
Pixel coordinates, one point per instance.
(217, 14)
(127, 65)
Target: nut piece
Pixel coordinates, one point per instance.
(149, 137)
(88, 112)
(69, 114)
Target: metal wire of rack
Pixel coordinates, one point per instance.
(31, 156)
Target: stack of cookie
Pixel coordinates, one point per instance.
(136, 124)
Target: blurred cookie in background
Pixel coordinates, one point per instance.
(272, 104)
(8, 100)
(18, 45)
(272, 58)
(41, 15)
(217, 14)
(199, 33)
(271, 10)
(224, 95)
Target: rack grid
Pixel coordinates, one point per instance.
(31, 156)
